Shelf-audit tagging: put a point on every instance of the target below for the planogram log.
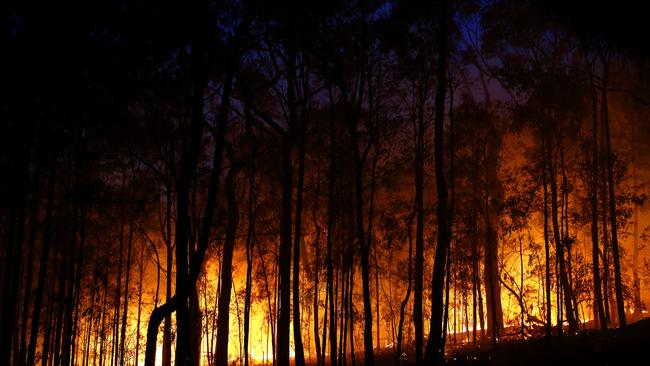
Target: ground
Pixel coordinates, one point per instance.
(626, 346)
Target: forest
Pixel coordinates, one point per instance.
(324, 183)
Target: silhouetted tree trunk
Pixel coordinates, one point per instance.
(42, 271)
(115, 350)
(320, 353)
(599, 309)
(250, 240)
(284, 258)
(12, 271)
(547, 262)
(126, 292)
(610, 316)
(27, 291)
(620, 302)
(223, 319)
(330, 240)
(636, 280)
(301, 132)
(435, 348)
(402, 307)
(492, 277)
(140, 287)
(559, 248)
(419, 229)
(315, 304)
(188, 170)
(167, 329)
(364, 247)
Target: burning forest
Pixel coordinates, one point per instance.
(324, 183)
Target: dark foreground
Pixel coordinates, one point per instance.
(628, 346)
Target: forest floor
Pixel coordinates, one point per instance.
(622, 346)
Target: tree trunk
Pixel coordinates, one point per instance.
(435, 348)
(284, 259)
(618, 286)
(14, 247)
(547, 281)
(188, 169)
(47, 242)
(330, 240)
(419, 234)
(167, 329)
(297, 334)
(126, 294)
(137, 332)
(223, 319)
(27, 294)
(402, 308)
(599, 309)
(250, 240)
(559, 248)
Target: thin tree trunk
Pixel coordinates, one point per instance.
(521, 290)
(27, 294)
(636, 281)
(250, 240)
(402, 308)
(419, 233)
(618, 286)
(599, 309)
(559, 248)
(223, 320)
(316, 268)
(167, 329)
(14, 248)
(47, 242)
(297, 333)
(353, 356)
(137, 332)
(547, 281)
(126, 294)
(330, 239)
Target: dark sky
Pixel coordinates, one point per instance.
(624, 23)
